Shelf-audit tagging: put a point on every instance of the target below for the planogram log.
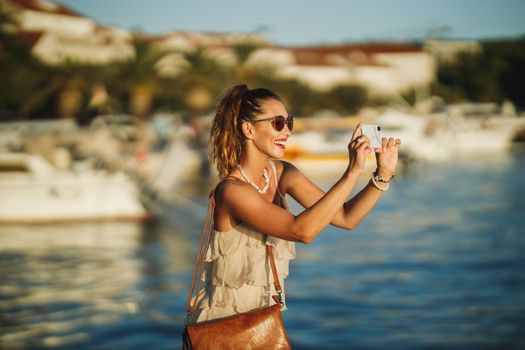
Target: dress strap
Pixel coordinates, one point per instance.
(276, 180)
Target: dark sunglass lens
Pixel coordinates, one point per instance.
(289, 122)
(279, 123)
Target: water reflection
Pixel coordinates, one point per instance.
(57, 278)
(59, 284)
(437, 264)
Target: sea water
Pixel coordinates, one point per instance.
(438, 263)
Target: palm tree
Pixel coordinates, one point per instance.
(204, 78)
(243, 51)
(139, 78)
(31, 88)
(18, 69)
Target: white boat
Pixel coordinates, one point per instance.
(32, 191)
(438, 137)
(443, 136)
(421, 138)
(322, 153)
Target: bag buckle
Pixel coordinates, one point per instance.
(278, 298)
(187, 320)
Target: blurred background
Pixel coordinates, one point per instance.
(105, 109)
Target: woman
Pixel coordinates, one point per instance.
(248, 136)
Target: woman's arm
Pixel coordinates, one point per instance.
(357, 208)
(306, 193)
(244, 204)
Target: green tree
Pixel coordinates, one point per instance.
(30, 88)
(18, 69)
(494, 75)
(508, 56)
(245, 72)
(347, 99)
(136, 81)
(204, 79)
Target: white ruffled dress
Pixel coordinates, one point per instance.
(237, 274)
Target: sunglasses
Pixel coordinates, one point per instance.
(278, 122)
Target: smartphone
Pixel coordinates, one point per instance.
(373, 132)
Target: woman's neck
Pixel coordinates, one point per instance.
(254, 165)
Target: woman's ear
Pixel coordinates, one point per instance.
(248, 130)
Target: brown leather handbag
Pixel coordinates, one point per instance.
(257, 329)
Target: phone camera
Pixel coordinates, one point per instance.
(378, 128)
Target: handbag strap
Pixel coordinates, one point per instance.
(201, 257)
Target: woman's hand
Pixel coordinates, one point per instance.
(387, 157)
(358, 150)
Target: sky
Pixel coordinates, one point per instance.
(303, 22)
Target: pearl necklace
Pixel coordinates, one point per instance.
(266, 180)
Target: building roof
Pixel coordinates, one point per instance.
(45, 6)
(31, 37)
(365, 47)
(359, 54)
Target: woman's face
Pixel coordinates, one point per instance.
(266, 138)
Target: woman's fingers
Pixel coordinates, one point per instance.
(357, 131)
(362, 143)
(359, 144)
(384, 143)
(364, 147)
(390, 143)
(360, 139)
(398, 143)
(359, 149)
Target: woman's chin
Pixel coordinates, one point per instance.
(275, 151)
(278, 153)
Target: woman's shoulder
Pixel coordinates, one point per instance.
(229, 182)
(283, 165)
(231, 187)
(285, 169)
(287, 174)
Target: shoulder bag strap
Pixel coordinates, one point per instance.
(201, 254)
(278, 298)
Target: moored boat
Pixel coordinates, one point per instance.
(32, 191)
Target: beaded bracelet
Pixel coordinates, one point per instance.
(376, 185)
(380, 179)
